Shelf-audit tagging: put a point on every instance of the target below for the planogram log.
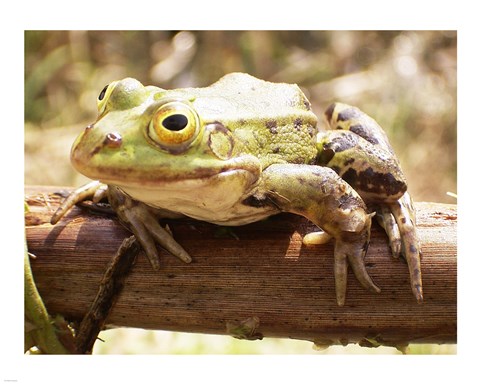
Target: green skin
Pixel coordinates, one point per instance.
(238, 151)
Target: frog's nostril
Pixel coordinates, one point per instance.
(113, 140)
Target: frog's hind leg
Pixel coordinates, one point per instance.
(357, 149)
(345, 117)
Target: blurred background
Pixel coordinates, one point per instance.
(406, 80)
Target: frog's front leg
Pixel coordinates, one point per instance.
(94, 191)
(139, 218)
(142, 220)
(357, 149)
(323, 197)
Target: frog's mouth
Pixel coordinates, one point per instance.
(191, 186)
(152, 176)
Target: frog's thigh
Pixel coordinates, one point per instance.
(349, 118)
(371, 170)
(322, 196)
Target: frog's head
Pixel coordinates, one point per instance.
(147, 136)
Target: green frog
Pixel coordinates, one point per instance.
(239, 151)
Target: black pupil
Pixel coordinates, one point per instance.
(102, 94)
(175, 122)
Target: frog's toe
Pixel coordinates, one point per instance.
(361, 273)
(147, 230)
(387, 222)
(316, 238)
(340, 271)
(404, 214)
(83, 193)
(100, 193)
(144, 238)
(165, 239)
(354, 253)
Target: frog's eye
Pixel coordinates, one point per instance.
(174, 126)
(104, 96)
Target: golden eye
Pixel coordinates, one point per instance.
(104, 96)
(174, 126)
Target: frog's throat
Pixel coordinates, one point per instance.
(216, 199)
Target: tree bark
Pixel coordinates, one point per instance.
(258, 276)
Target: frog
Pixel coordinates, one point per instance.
(237, 152)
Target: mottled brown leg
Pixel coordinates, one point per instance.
(357, 148)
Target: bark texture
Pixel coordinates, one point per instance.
(256, 280)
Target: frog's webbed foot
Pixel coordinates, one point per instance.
(143, 222)
(398, 220)
(346, 252)
(94, 190)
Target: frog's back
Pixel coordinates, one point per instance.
(273, 121)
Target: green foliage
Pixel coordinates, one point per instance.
(42, 333)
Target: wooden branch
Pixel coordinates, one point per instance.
(259, 271)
